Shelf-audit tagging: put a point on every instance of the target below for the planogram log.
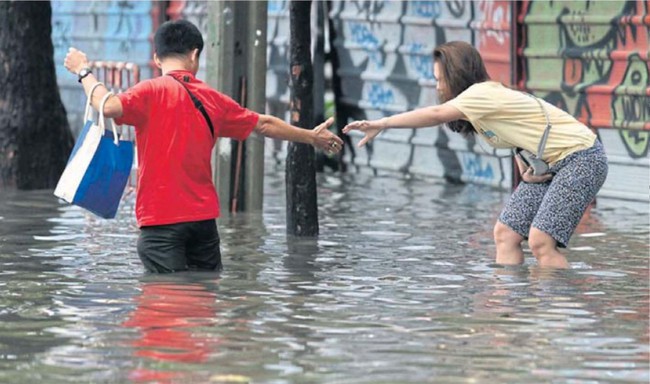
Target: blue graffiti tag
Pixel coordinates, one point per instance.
(421, 63)
(429, 9)
(473, 166)
(379, 96)
(364, 37)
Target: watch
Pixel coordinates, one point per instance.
(85, 71)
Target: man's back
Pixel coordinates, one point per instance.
(174, 146)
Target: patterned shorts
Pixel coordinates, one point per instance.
(556, 207)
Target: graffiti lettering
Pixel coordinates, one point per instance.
(380, 96)
(497, 17)
(632, 108)
(429, 9)
(124, 22)
(421, 63)
(635, 108)
(581, 33)
(637, 142)
(363, 36)
(60, 34)
(599, 66)
(372, 7)
(456, 7)
(473, 166)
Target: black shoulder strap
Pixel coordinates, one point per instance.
(198, 105)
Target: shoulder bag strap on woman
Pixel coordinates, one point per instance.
(542, 142)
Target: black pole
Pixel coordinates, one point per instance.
(302, 210)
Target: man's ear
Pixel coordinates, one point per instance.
(195, 55)
(157, 60)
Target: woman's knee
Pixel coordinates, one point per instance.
(505, 235)
(541, 243)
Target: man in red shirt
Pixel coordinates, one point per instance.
(177, 120)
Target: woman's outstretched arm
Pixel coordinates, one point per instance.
(417, 118)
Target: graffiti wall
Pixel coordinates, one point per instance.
(588, 57)
(277, 58)
(105, 31)
(591, 59)
(197, 13)
(385, 49)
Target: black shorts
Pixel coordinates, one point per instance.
(180, 247)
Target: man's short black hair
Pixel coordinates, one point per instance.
(176, 38)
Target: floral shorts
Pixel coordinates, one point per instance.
(556, 207)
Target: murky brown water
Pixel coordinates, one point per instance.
(399, 288)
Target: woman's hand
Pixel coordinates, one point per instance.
(370, 127)
(527, 175)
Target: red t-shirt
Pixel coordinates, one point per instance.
(174, 146)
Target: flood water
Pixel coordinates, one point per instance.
(400, 287)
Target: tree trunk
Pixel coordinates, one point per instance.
(302, 209)
(35, 137)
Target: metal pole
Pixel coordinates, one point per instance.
(219, 74)
(256, 75)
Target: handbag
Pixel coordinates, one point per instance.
(98, 167)
(534, 161)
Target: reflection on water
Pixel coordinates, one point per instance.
(399, 287)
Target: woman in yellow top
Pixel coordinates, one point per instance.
(545, 209)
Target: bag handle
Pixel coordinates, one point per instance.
(116, 139)
(542, 142)
(198, 105)
(87, 113)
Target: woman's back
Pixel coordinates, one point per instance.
(507, 118)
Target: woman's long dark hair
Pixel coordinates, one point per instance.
(461, 66)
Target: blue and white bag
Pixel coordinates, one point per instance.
(98, 168)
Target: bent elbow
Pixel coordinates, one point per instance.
(264, 125)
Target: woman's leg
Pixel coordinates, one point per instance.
(508, 243)
(574, 186)
(544, 248)
(514, 222)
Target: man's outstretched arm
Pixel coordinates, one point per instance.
(320, 137)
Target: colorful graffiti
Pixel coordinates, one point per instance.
(492, 24)
(591, 58)
(386, 66)
(587, 57)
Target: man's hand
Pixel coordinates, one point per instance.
(326, 140)
(370, 128)
(75, 61)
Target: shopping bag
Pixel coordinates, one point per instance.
(98, 168)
